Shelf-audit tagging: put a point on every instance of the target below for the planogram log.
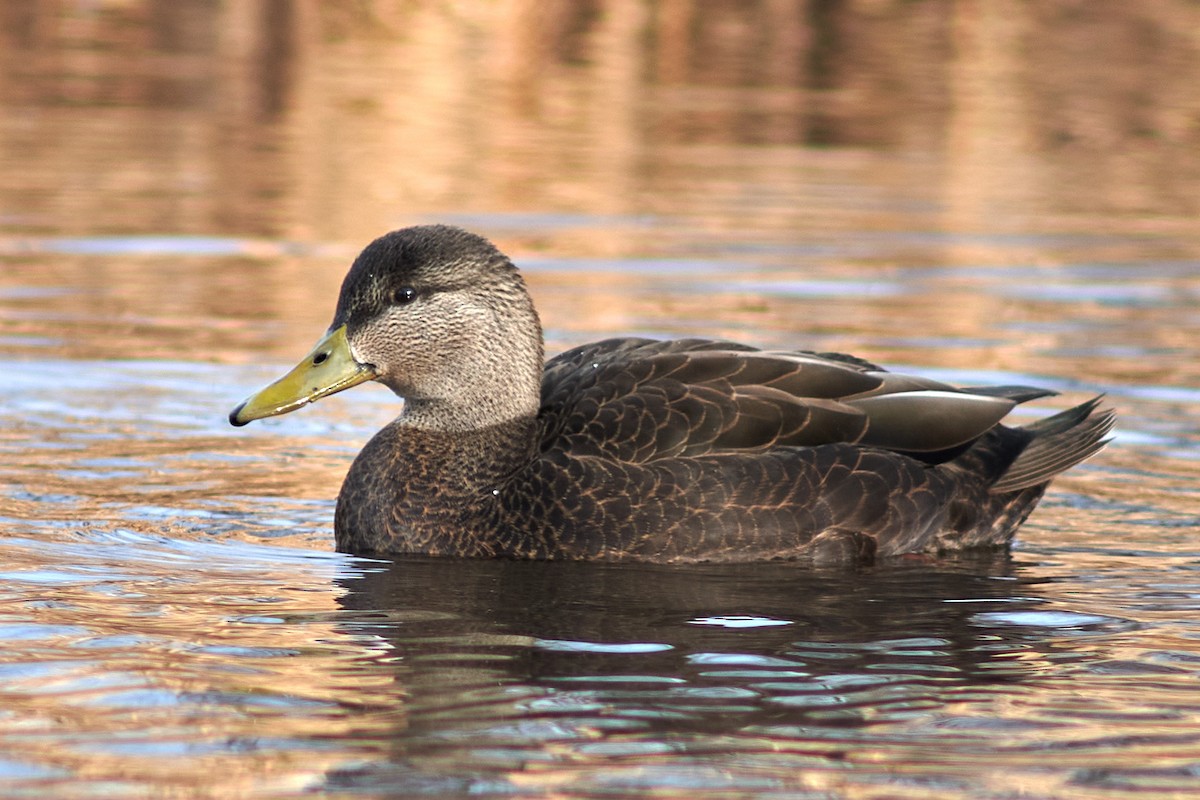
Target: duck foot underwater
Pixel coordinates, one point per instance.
(645, 450)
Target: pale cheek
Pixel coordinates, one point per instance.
(380, 345)
(366, 349)
(357, 354)
(426, 346)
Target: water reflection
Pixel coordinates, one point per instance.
(507, 665)
(279, 118)
(122, 649)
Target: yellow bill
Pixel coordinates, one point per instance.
(328, 369)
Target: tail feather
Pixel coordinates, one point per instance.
(1059, 443)
(1019, 394)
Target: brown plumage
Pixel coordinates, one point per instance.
(637, 449)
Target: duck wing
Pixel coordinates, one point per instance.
(641, 400)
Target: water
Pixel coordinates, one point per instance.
(172, 618)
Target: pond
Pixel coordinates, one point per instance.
(936, 189)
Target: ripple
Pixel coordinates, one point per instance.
(625, 648)
(16, 632)
(1058, 620)
(739, 621)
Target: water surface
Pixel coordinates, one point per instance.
(938, 190)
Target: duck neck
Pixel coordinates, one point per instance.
(479, 410)
(487, 386)
(410, 486)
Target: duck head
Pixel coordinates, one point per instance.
(439, 316)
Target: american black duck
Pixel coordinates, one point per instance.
(637, 449)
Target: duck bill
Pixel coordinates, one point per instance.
(328, 369)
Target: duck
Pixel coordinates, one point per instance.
(650, 450)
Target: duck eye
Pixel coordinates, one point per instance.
(404, 295)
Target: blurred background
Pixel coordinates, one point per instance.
(749, 135)
(320, 121)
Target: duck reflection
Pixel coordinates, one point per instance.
(574, 670)
(672, 643)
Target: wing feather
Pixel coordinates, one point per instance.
(641, 400)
